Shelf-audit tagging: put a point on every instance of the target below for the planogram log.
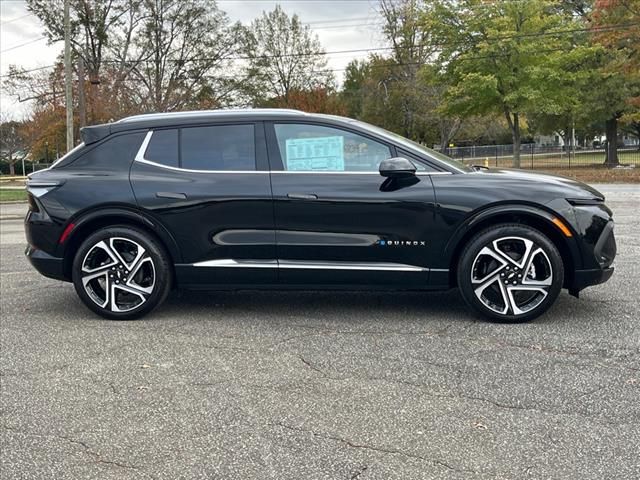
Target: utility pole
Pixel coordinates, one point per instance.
(67, 75)
(82, 105)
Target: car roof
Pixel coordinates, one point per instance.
(96, 133)
(150, 121)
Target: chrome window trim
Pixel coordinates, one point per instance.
(145, 143)
(296, 172)
(189, 170)
(143, 148)
(313, 265)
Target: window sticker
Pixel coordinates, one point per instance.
(318, 153)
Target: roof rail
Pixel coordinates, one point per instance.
(207, 113)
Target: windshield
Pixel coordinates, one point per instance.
(426, 151)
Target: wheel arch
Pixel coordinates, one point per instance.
(537, 218)
(88, 222)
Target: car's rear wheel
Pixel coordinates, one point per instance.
(510, 273)
(121, 273)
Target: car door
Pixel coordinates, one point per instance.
(209, 186)
(338, 221)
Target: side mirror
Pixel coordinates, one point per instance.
(397, 167)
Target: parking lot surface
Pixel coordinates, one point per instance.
(320, 385)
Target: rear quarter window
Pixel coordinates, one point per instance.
(111, 154)
(163, 148)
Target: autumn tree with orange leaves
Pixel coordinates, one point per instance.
(616, 90)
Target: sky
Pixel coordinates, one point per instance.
(339, 24)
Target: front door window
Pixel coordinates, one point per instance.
(316, 148)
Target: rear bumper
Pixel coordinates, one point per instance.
(46, 264)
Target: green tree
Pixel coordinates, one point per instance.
(283, 57)
(411, 49)
(353, 86)
(503, 56)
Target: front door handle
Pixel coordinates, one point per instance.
(174, 195)
(302, 196)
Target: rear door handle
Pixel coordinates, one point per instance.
(174, 195)
(302, 196)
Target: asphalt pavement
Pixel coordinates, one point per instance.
(319, 385)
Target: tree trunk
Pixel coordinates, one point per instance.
(515, 133)
(444, 144)
(12, 169)
(514, 125)
(611, 158)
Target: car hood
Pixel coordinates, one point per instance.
(568, 184)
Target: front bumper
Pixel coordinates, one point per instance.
(46, 264)
(604, 252)
(586, 278)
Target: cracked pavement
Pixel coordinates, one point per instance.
(320, 385)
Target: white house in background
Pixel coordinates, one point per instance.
(554, 140)
(627, 140)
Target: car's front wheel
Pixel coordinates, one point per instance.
(510, 273)
(121, 273)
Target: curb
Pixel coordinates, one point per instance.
(14, 202)
(10, 217)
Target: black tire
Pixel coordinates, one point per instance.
(495, 290)
(139, 272)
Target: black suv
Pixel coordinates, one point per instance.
(284, 199)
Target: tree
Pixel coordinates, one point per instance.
(283, 56)
(400, 91)
(13, 147)
(412, 47)
(318, 100)
(502, 56)
(353, 87)
(183, 43)
(436, 84)
(616, 27)
(574, 108)
(91, 20)
(93, 26)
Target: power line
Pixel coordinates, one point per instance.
(370, 49)
(340, 20)
(27, 71)
(23, 44)
(17, 18)
(372, 25)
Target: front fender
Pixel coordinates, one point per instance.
(505, 212)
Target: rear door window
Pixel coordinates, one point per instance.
(219, 147)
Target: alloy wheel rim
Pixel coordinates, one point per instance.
(118, 274)
(511, 275)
